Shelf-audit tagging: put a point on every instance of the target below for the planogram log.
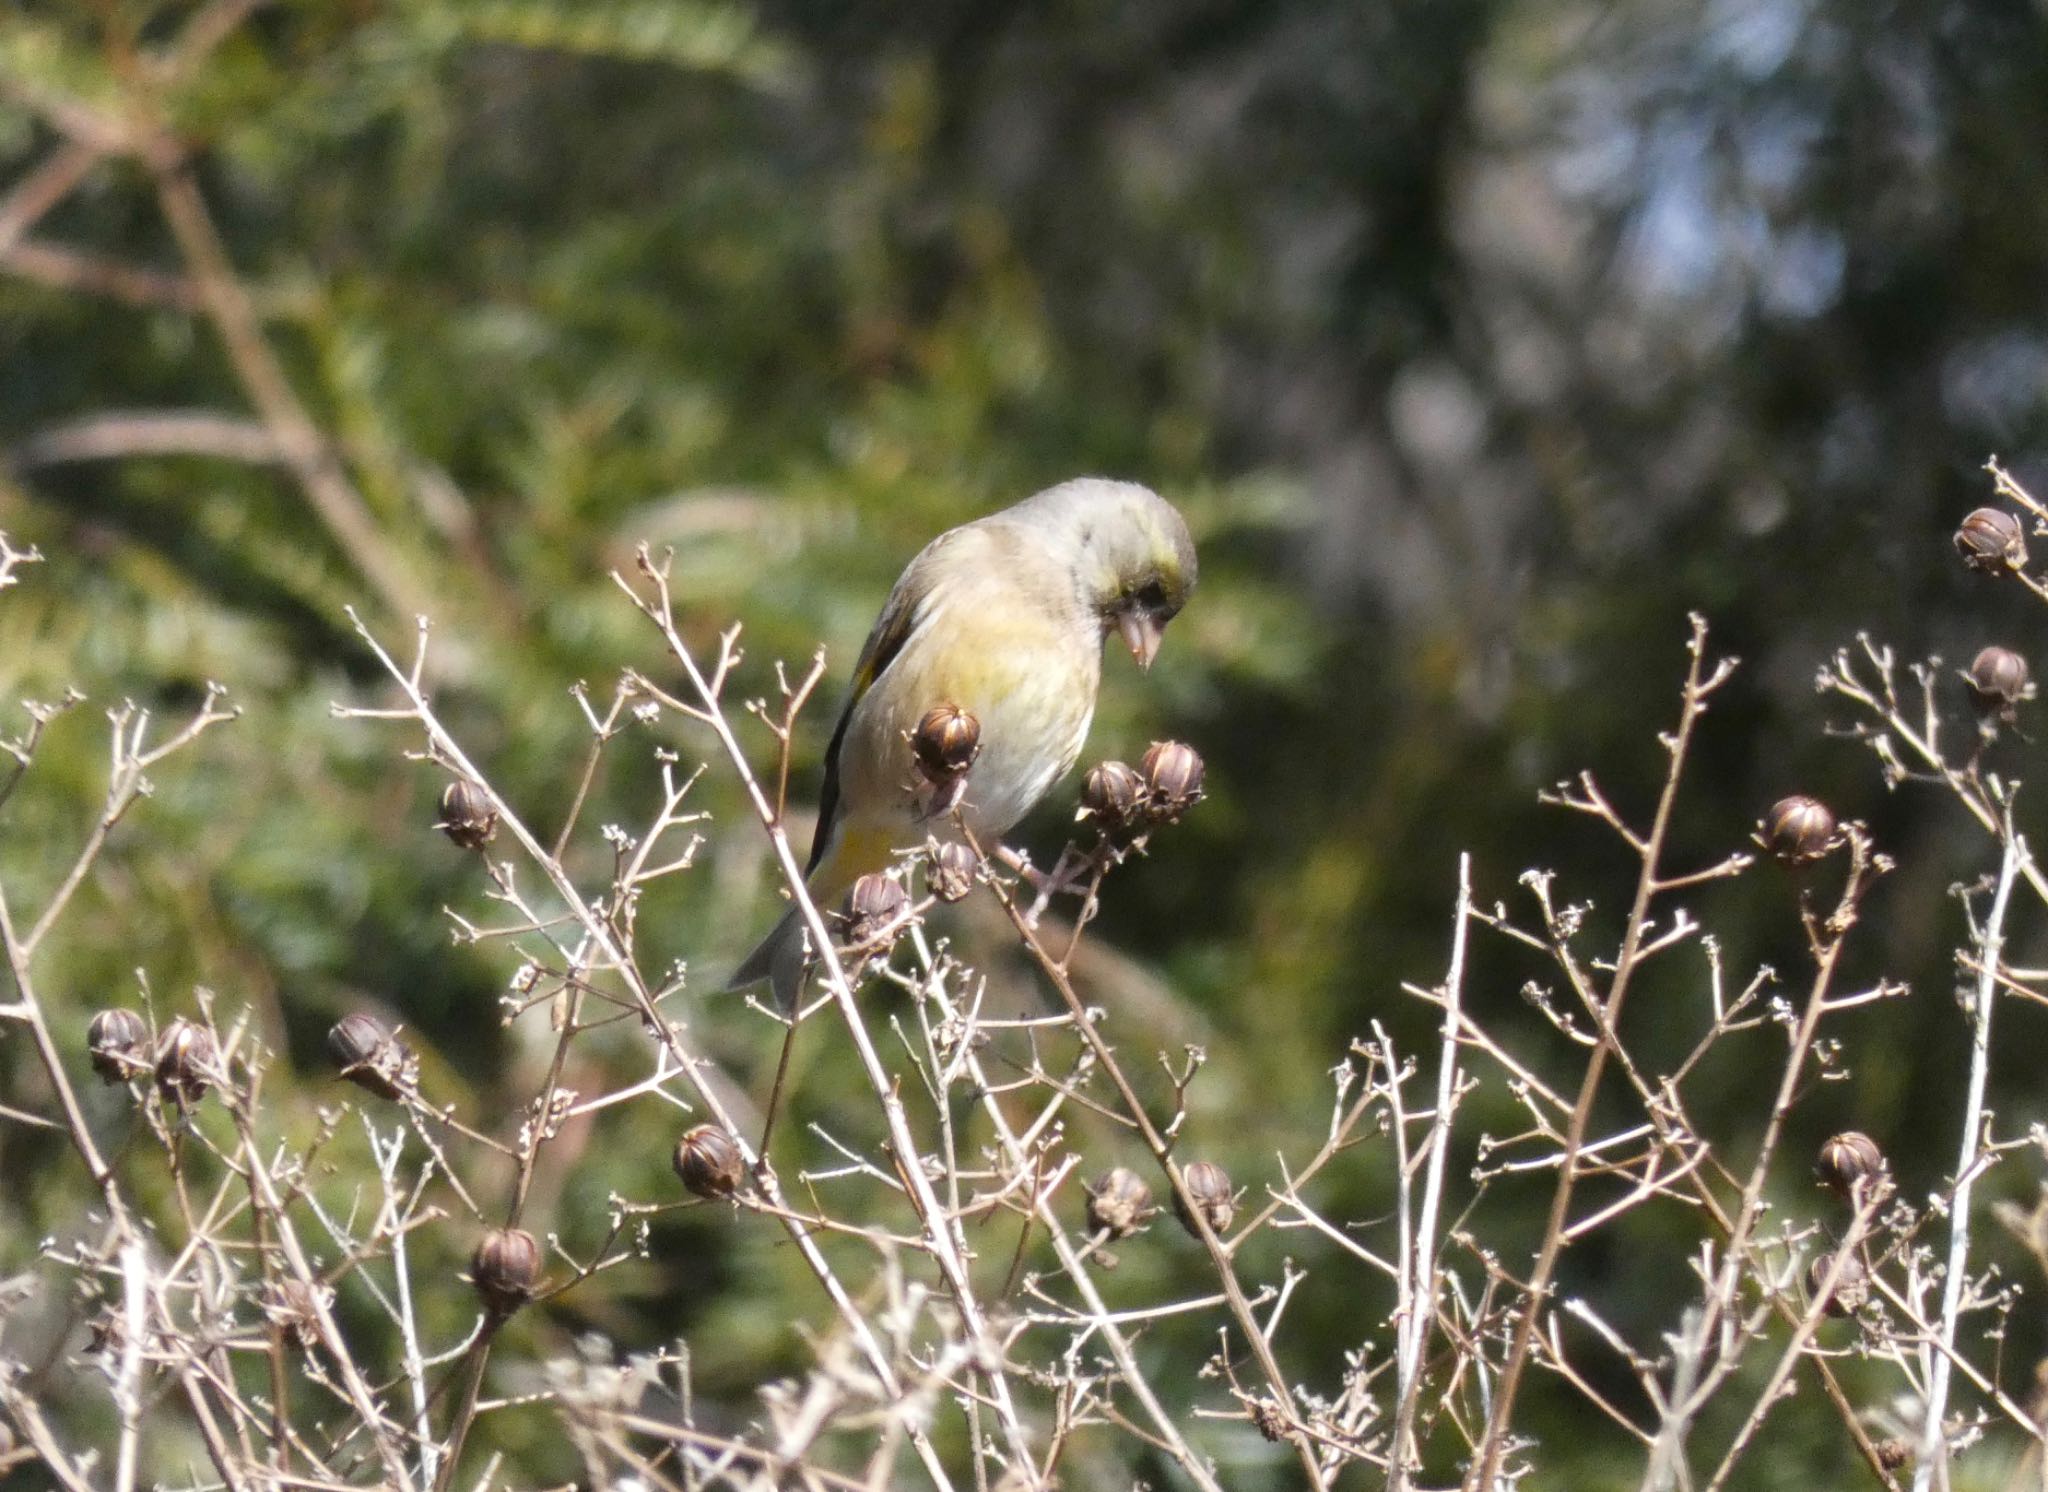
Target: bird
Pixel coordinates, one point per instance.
(1005, 618)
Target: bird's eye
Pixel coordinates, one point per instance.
(1152, 595)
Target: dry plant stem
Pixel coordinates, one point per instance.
(1162, 1152)
(1698, 687)
(28, 1418)
(1072, 1259)
(362, 1399)
(127, 780)
(29, 1011)
(134, 1294)
(1870, 1200)
(944, 1243)
(1924, 742)
(1932, 1453)
(1829, 938)
(690, 1065)
(1676, 1132)
(1420, 1273)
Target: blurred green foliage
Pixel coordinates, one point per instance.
(1479, 340)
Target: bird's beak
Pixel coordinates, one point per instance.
(1142, 632)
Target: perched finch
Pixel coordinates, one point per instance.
(1003, 618)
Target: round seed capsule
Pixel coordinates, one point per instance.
(370, 1056)
(1208, 1187)
(1848, 1160)
(1173, 779)
(505, 1268)
(467, 816)
(118, 1042)
(187, 1062)
(1118, 1202)
(1992, 542)
(1798, 830)
(1113, 797)
(945, 744)
(708, 1162)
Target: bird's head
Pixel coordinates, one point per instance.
(1134, 563)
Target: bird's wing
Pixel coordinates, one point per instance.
(902, 614)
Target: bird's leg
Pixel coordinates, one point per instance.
(947, 796)
(775, 1091)
(1042, 885)
(792, 1020)
(1064, 879)
(1072, 875)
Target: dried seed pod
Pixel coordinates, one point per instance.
(370, 1056)
(106, 1333)
(708, 1162)
(1849, 1159)
(1992, 542)
(187, 1061)
(874, 910)
(1118, 1202)
(1998, 681)
(1173, 779)
(505, 1268)
(290, 1304)
(1208, 1187)
(949, 872)
(118, 1041)
(1113, 796)
(945, 744)
(467, 816)
(1852, 1286)
(1798, 830)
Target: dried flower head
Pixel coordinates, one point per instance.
(708, 1162)
(1852, 1285)
(1894, 1453)
(1112, 797)
(945, 744)
(949, 871)
(505, 1268)
(1847, 1161)
(1992, 541)
(1998, 682)
(371, 1057)
(187, 1061)
(1119, 1201)
(1173, 779)
(874, 911)
(1208, 1188)
(290, 1304)
(106, 1333)
(118, 1041)
(467, 816)
(1798, 830)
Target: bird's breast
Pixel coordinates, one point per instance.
(1030, 683)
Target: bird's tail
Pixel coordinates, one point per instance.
(785, 953)
(779, 959)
